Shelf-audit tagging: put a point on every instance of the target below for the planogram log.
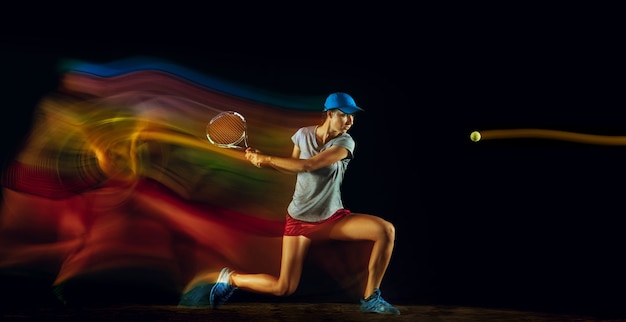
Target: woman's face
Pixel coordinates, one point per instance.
(340, 121)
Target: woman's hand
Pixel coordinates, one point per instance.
(255, 157)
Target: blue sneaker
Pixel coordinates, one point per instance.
(198, 296)
(222, 289)
(376, 304)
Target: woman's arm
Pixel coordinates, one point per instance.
(294, 164)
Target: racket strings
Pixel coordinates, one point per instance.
(227, 129)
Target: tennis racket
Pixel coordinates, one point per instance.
(228, 130)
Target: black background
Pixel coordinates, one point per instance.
(531, 224)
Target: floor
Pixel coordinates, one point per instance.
(280, 312)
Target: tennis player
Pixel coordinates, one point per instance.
(320, 157)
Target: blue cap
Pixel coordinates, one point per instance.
(341, 101)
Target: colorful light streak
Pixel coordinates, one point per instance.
(116, 172)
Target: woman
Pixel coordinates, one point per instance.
(320, 158)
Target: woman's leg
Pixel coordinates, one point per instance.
(365, 227)
(293, 254)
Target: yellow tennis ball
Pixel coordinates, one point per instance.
(475, 136)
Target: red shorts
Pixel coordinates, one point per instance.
(294, 227)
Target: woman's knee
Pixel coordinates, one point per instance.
(285, 290)
(388, 230)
